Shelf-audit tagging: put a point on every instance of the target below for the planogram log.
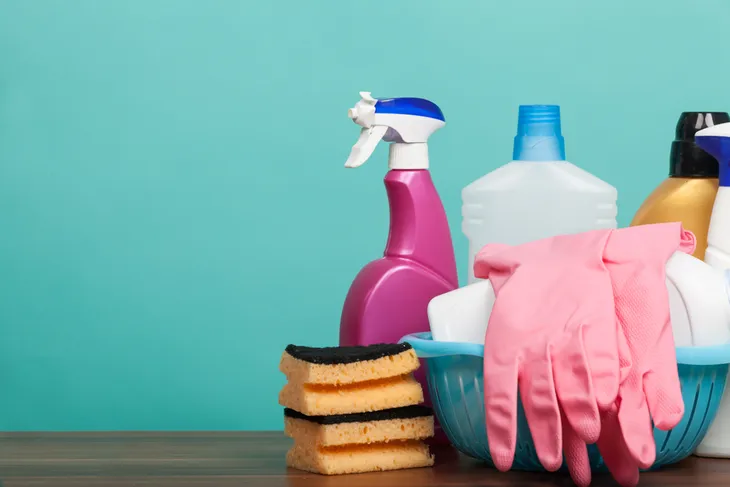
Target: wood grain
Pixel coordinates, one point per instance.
(257, 460)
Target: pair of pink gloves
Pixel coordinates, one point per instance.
(581, 328)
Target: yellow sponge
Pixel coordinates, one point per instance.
(359, 459)
(322, 400)
(399, 424)
(347, 365)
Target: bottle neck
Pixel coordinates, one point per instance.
(539, 136)
(538, 148)
(408, 156)
(687, 160)
(419, 229)
(724, 178)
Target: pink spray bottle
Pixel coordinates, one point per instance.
(389, 297)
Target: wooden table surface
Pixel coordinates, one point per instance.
(257, 460)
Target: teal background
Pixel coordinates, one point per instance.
(174, 208)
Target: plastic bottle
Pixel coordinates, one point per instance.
(689, 192)
(716, 141)
(699, 306)
(538, 194)
(389, 297)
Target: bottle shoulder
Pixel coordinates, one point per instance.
(540, 177)
(678, 199)
(392, 269)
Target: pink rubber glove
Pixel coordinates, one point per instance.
(574, 448)
(636, 258)
(552, 333)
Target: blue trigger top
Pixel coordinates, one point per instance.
(715, 141)
(719, 148)
(410, 106)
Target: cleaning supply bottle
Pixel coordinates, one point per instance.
(538, 194)
(389, 297)
(688, 194)
(716, 141)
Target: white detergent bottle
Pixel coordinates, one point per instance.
(538, 194)
(716, 141)
(699, 306)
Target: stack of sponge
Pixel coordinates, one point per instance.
(354, 409)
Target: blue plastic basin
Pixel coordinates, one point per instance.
(455, 381)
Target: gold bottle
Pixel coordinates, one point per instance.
(688, 194)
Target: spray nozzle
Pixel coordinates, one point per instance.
(363, 113)
(406, 122)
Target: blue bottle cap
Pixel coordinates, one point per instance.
(539, 137)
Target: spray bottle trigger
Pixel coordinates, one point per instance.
(365, 145)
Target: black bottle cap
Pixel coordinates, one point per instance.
(687, 160)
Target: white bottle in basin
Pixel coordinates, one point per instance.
(699, 306)
(538, 194)
(716, 141)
